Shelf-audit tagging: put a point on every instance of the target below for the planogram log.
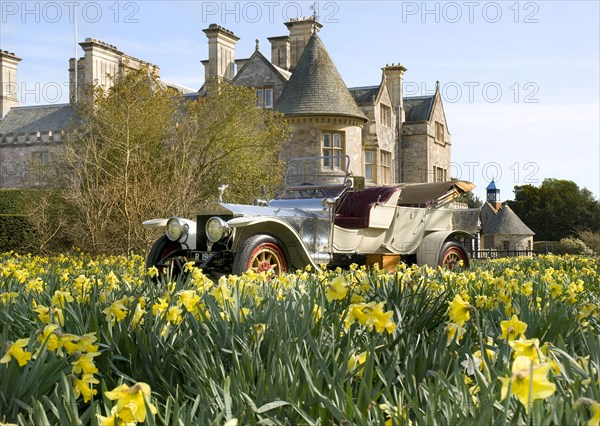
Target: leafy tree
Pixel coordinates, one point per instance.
(557, 209)
(140, 151)
(472, 200)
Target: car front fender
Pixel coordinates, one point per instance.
(428, 252)
(245, 227)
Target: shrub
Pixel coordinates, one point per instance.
(591, 239)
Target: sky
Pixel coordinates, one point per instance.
(520, 80)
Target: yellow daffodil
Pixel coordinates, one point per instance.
(60, 298)
(555, 290)
(454, 330)
(512, 328)
(189, 299)
(317, 313)
(174, 314)
(337, 289)
(85, 363)
(8, 297)
(459, 310)
(595, 419)
(68, 341)
(16, 351)
(356, 361)
(116, 312)
(528, 382)
(84, 385)
(130, 402)
(86, 342)
(529, 348)
(49, 337)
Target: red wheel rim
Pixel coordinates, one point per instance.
(451, 257)
(169, 248)
(267, 257)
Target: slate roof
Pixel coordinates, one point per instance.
(506, 222)
(36, 118)
(365, 95)
(418, 108)
(316, 87)
(465, 220)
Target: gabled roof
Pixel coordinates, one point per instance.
(506, 222)
(36, 118)
(257, 55)
(316, 87)
(418, 108)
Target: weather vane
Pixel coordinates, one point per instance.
(315, 9)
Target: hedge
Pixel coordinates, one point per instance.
(17, 233)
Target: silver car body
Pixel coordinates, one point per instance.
(310, 220)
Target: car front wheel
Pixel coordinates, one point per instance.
(159, 251)
(260, 253)
(451, 254)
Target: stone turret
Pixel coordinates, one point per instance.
(8, 81)
(301, 30)
(221, 53)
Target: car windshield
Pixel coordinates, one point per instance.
(315, 177)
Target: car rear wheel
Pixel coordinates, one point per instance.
(451, 254)
(260, 253)
(159, 251)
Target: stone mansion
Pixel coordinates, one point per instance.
(388, 137)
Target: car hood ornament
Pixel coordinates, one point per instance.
(222, 189)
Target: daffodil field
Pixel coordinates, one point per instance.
(104, 341)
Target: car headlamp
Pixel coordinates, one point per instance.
(216, 229)
(176, 229)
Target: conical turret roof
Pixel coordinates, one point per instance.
(316, 87)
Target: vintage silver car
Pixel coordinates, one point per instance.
(324, 218)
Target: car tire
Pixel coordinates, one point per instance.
(261, 253)
(451, 253)
(161, 249)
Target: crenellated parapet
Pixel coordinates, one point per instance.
(32, 138)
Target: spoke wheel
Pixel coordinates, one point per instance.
(261, 253)
(451, 254)
(267, 257)
(160, 250)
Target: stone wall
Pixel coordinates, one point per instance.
(414, 165)
(515, 242)
(258, 74)
(27, 159)
(306, 139)
(438, 150)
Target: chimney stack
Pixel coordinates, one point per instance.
(280, 51)
(8, 81)
(221, 53)
(394, 76)
(301, 30)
